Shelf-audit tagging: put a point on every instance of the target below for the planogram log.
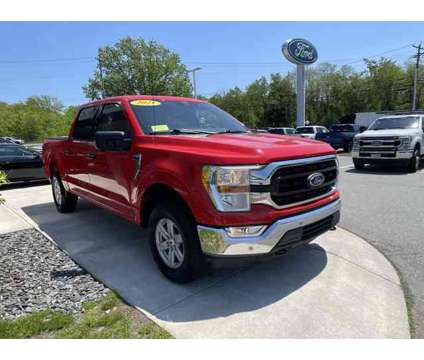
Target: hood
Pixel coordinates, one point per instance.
(388, 132)
(250, 148)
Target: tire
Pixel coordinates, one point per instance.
(414, 163)
(358, 164)
(65, 201)
(174, 243)
(348, 148)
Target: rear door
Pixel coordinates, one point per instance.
(80, 149)
(110, 171)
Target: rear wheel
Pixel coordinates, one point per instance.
(348, 147)
(359, 165)
(65, 201)
(175, 244)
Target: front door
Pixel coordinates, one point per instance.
(110, 171)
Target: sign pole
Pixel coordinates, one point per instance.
(300, 95)
(300, 52)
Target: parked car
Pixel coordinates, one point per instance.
(341, 136)
(282, 131)
(11, 140)
(206, 188)
(21, 164)
(391, 140)
(310, 131)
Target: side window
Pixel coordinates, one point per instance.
(319, 130)
(85, 124)
(10, 151)
(113, 118)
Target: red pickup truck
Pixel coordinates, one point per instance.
(203, 184)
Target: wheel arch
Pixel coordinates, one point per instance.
(157, 193)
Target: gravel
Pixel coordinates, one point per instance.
(36, 275)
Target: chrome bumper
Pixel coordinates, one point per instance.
(399, 155)
(216, 241)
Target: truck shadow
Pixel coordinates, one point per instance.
(116, 252)
(379, 170)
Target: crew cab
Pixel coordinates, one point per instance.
(310, 131)
(340, 136)
(391, 140)
(205, 187)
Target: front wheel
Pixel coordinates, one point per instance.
(65, 201)
(174, 243)
(414, 163)
(358, 164)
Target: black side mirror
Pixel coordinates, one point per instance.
(112, 141)
(362, 129)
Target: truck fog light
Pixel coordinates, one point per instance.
(241, 231)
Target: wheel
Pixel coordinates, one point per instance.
(414, 163)
(174, 243)
(65, 201)
(348, 148)
(358, 164)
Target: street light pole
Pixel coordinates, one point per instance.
(194, 79)
(417, 66)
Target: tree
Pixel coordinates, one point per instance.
(136, 66)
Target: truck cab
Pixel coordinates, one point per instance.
(391, 140)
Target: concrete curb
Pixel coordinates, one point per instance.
(338, 287)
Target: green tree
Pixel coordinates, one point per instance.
(136, 66)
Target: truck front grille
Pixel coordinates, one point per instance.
(384, 145)
(289, 185)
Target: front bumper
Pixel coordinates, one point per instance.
(400, 155)
(282, 234)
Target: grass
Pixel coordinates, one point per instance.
(108, 318)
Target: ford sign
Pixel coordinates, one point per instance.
(300, 51)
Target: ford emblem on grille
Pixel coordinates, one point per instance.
(315, 180)
(376, 143)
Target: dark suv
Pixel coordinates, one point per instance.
(341, 136)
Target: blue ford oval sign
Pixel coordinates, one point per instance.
(300, 51)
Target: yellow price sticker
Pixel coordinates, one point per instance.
(158, 128)
(145, 103)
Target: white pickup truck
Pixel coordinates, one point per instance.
(391, 139)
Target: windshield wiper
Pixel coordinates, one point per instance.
(228, 131)
(181, 132)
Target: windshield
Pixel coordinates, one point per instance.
(410, 122)
(342, 128)
(305, 130)
(184, 117)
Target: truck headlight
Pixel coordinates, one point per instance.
(405, 143)
(228, 186)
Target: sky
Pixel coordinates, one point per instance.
(57, 58)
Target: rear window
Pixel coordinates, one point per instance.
(305, 130)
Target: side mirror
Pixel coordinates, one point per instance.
(362, 129)
(112, 141)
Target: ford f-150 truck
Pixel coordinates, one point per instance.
(391, 140)
(205, 187)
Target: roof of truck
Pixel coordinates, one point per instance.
(143, 97)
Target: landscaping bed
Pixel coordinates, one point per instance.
(44, 293)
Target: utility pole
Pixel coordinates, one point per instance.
(101, 76)
(194, 79)
(417, 65)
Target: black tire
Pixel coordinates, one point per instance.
(193, 263)
(65, 201)
(414, 163)
(358, 164)
(348, 147)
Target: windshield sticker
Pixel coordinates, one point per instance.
(158, 128)
(145, 103)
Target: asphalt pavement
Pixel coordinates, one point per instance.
(386, 207)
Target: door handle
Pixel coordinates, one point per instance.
(91, 155)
